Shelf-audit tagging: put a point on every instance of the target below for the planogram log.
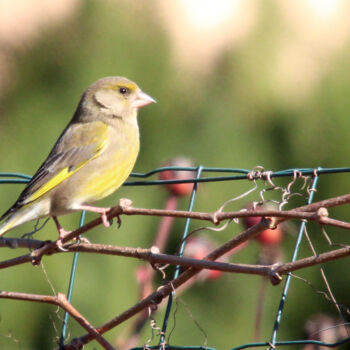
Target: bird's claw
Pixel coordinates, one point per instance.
(104, 219)
(119, 221)
(62, 234)
(108, 222)
(60, 245)
(83, 240)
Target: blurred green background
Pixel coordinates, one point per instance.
(238, 84)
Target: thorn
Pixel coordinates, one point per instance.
(124, 203)
(155, 250)
(322, 213)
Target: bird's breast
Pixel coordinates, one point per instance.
(103, 175)
(113, 167)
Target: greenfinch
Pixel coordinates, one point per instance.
(92, 158)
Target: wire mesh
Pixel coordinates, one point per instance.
(259, 173)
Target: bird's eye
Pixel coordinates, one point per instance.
(123, 90)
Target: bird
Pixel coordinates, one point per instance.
(92, 157)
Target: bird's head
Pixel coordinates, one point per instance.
(115, 97)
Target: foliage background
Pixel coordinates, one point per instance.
(273, 92)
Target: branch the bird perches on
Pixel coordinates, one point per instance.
(316, 212)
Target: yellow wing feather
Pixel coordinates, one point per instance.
(57, 179)
(97, 137)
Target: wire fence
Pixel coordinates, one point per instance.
(309, 178)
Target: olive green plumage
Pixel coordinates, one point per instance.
(92, 158)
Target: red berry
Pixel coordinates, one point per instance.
(213, 274)
(250, 221)
(198, 248)
(270, 236)
(178, 189)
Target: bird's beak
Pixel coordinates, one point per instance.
(142, 99)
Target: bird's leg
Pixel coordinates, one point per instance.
(61, 232)
(102, 211)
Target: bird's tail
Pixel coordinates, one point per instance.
(13, 218)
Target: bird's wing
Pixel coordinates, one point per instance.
(78, 144)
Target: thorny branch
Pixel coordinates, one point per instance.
(154, 257)
(270, 218)
(314, 212)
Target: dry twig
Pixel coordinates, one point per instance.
(314, 212)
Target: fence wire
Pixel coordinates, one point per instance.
(203, 174)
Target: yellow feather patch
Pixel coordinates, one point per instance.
(112, 176)
(130, 86)
(57, 179)
(62, 175)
